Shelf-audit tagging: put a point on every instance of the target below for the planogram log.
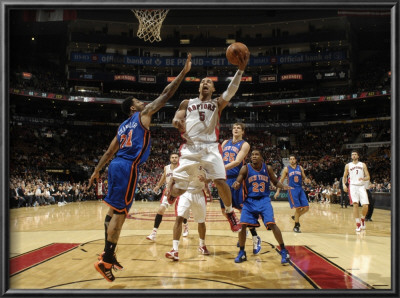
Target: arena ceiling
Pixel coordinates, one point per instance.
(202, 16)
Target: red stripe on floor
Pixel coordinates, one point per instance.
(322, 272)
(37, 256)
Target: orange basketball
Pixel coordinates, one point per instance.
(235, 50)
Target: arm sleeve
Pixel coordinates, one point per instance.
(233, 86)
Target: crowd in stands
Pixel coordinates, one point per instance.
(52, 164)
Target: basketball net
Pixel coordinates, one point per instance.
(150, 22)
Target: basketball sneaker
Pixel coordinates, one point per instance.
(296, 228)
(116, 265)
(152, 236)
(105, 269)
(363, 227)
(170, 198)
(241, 257)
(285, 257)
(204, 250)
(358, 228)
(233, 221)
(185, 230)
(173, 255)
(256, 244)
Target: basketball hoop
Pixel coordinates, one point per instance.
(150, 21)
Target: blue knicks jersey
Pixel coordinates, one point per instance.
(229, 154)
(257, 183)
(294, 176)
(133, 139)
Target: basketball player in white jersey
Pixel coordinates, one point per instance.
(198, 120)
(166, 176)
(194, 199)
(357, 173)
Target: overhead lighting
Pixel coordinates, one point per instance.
(230, 41)
(185, 41)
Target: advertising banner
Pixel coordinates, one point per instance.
(147, 79)
(267, 78)
(204, 61)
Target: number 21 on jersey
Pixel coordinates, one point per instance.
(124, 141)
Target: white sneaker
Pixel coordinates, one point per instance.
(358, 229)
(152, 236)
(256, 244)
(173, 255)
(185, 230)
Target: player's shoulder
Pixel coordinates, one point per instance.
(184, 104)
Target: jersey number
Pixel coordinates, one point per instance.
(296, 179)
(229, 156)
(202, 116)
(126, 142)
(258, 187)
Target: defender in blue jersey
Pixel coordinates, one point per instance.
(131, 146)
(256, 178)
(234, 151)
(296, 196)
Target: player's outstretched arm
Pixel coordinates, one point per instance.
(161, 182)
(303, 175)
(233, 86)
(168, 91)
(239, 157)
(112, 149)
(242, 174)
(283, 176)
(275, 180)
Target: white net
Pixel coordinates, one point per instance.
(150, 22)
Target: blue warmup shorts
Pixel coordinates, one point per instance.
(297, 198)
(123, 176)
(253, 208)
(237, 195)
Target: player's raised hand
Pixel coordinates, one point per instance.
(243, 60)
(188, 64)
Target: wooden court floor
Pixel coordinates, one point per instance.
(328, 254)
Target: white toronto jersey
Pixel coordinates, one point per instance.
(168, 174)
(202, 121)
(356, 171)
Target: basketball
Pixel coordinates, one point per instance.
(234, 51)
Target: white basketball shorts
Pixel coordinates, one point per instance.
(358, 194)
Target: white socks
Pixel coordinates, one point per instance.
(228, 209)
(175, 244)
(202, 242)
